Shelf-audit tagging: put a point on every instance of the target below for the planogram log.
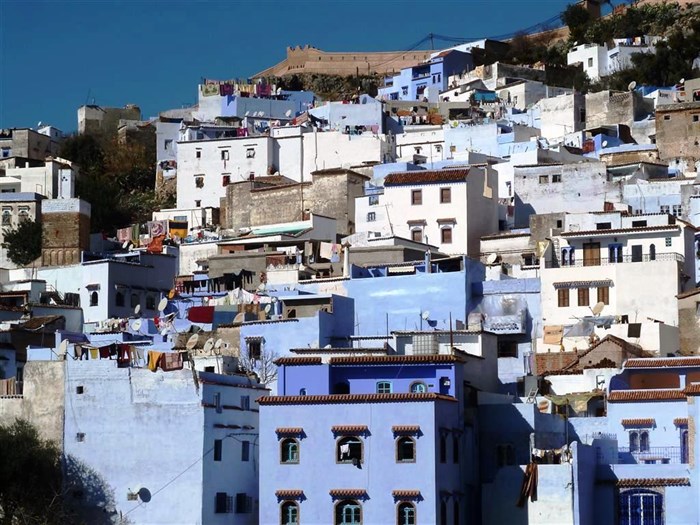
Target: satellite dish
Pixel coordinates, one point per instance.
(209, 345)
(268, 307)
(492, 258)
(605, 144)
(425, 315)
(218, 343)
(631, 85)
(162, 304)
(598, 308)
(136, 325)
(288, 113)
(63, 347)
(681, 81)
(137, 309)
(192, 341)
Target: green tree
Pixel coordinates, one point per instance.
(577, 18)
(23, 244)
(30, 477)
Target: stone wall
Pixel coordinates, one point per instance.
(607, 108)
(64, 236)
(678, 131)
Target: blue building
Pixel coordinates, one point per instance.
(428, 79)
(366, 439)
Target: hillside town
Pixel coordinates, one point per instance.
(468, 296)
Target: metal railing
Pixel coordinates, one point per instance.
(621, 259)
(653, 455)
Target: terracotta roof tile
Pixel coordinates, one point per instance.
(289, 431)
(289, 493)
(349, 429)
(352, 398)
(693, 389)
(646, 395)
(406, 494)
(653, 482)
(681, 421)
(394, 359)
(639, 422)
(426, 176)
(405, 429)
(291, 361)
(348, 493)
(663, 362)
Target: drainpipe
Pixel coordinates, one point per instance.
(346, 260)
(428, 263)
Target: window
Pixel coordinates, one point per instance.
(590, 62)
(289, 451)
(563, 297)
(445, 195)
(443, 448)
(455, 448)
(226, 180)
(245, 450)
(135, 300)
(644, 441)
(639, 224)
(341, 388)
(150, 302)
(349, 450)
(418, 387)
(79, 389)
(405, 450)
(23, 213)
(94, 299)
(665, 208)
(556, 177)
(168, 144)
(373, 200)
(198, 154)
(7, 217)
(384, 387)
(641, 507)
(583, 297)
(544, 179)
(417, 235)
(218, 448)
(676, 209)
(119, 299)
(245, 402)
(418, 149)
(406, 513)
(224, 154)
(302, 391)
(568, 256)
(696, 118)
(348, 512)
(254, 348)
(508, 348)
(637, 254)
(244, 503)
(197, 204)
(438, 148)
(685, 455)
(199, 182)
(250, 153)
(668, 242)
(5, 152)
(446, 235)
(289, 513)
(371, 216)
(416, 197)
(604, 294)
(652, 252)
(603, 226)
(614, 253)
(80, 436)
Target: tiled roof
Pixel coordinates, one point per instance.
(40, 321)
(394, 359)
(426, 177)
(620, 230)
(336, 350)
(662, 362)
(681, 421)
(405, 429)
(693, 389)
(291, 361)
(653, 482)
(289, 493)
(348, 493)
(646, 395)
(349, 429)
(289, 431)
(638, 422)
(406, 493)
(352, 398)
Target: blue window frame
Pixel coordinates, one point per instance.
(406, 514)
(348, 512)
(289, 449)
(418, 387)
(383, 387)
(615, 253)
(641, 507)
(289, 513)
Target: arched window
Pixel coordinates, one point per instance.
(637, 503)
(342, 387)
(135, 300)
(405, 450)
(150, 302)
(94, 299)
(348, 512)
(684, 446)
(644, 441)
(348, 450)
(119, 299)
(652, 252)
(418, 387)
(383, 387)
(634, 442)
(289, 451)
(289, 513)
(302, 391)
(406, 513)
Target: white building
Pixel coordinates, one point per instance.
(160, 447)
(449, 208)
(634, 265)
(54, 180)
(600, 61)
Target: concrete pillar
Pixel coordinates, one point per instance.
(428, 261)
(346, 260)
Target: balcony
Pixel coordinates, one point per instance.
(605, 261)
(653, 456)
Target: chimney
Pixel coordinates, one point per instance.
(346, 260)
(428, 261)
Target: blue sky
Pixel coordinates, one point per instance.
(57, 55)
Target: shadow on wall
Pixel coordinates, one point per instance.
(522, 213)
(89, 497)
